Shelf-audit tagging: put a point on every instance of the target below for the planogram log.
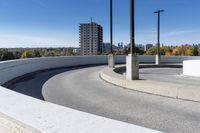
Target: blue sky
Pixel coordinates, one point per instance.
(54, 23)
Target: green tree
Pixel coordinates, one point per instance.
(6, 55)
(151, 51)
(163, 51)
(36, 53)
(196, 51)
(183, 51)
(25, 55)
(139, 51)
(50, 54)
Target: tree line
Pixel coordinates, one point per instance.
(185, 50)
(6, 54)
(175, 51)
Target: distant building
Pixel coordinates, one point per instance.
(91, 38)
(140, 46)
(77, 50)
(106, 47)
(148, 46)
(115, 48)
(120, 45)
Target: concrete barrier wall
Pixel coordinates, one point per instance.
(47, 117)
(24, 114)
(178, 59)
(167, 59)
(16, 68)
(191, 68)
(20, 113)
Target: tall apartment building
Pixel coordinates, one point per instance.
(91, 38)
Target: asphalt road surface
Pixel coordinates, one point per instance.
(82, 89)
(31, 84)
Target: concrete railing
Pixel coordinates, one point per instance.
(167, 59)
(20, 113)
(16, 68)
(24, 114)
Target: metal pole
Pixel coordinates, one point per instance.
(158, 39)
(111, 26)
(132, 62)
(158, 45)
(132, 27)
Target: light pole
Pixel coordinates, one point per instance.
(111, 26)
(132, 28)
(111, 60)
(132, 62)
(158, 37)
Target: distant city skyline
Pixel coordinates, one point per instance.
(54, 23)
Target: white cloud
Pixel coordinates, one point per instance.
(29, 41)
(178, 32)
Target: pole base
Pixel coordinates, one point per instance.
(157, 60)
(111, 61)
(132, 67)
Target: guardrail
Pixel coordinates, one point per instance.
(31, 115)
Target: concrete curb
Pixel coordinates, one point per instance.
(172, 90)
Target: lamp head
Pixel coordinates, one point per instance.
(159, 11)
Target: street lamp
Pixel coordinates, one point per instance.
(111, 26)
(158, 39)
(132, 28)
(111, 60)
(132, 61)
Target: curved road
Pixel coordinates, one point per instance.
(82, 89)
(31, 84)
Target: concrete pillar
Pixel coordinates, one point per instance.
(157, 60)
(111, 61)
(132, 67)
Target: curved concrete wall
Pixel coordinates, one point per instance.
(12, 69)
(47, 117)
(167, 59)
(16, 68)
(31, 115)
(20, 113)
